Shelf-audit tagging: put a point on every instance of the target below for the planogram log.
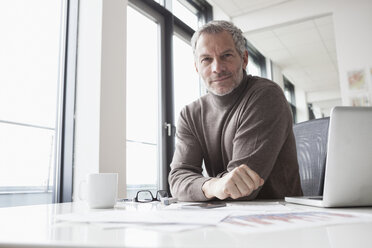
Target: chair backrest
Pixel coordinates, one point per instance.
(311, 143)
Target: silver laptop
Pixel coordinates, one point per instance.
(348, 171)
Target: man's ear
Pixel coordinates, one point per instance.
(196, 67)
(245, 59)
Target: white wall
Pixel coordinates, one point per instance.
(353, 25)
(100, 91)
(301, 99)
(301, 105)
(113, 91)
(277, 75)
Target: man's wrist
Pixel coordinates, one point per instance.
(208, 187)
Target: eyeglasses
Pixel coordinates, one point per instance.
(147, 196)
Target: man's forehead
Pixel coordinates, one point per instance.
(220, 36)
(209, 42)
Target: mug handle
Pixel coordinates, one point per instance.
(82, 184)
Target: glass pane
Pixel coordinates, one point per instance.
(287, 94)
(185, 14)
(29, 61)
(142, 101)
(253, 68)
(186, 80)
(33, 166)
(29, 81)
(142, 168)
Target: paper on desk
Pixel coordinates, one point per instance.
(198, 217)
(255, 223)
(154, 227)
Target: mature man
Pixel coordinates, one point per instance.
(242, 128)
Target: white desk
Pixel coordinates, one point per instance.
(34, 226)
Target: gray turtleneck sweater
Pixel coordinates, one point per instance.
(252, 125)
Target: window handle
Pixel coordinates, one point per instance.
(169, 128)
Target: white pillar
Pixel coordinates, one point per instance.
(100, 139)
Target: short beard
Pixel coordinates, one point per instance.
(211, 90)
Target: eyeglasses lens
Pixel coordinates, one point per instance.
(144, 196)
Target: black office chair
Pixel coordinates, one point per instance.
(311, 143)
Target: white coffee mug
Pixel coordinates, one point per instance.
(99, 190)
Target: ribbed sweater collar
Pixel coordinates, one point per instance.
(228, 100)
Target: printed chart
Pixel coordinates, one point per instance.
(290, 220)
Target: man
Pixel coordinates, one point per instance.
(242, 128)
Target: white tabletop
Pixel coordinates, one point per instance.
(35, 226)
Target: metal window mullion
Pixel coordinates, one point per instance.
(169, 95)
(64, 175)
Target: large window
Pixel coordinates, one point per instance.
(256, 62)
(161, 79)
(184, 11)
(187, 87)
(289, 92)
(31, 95)
(142, 102)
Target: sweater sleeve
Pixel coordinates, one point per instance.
(263, 127)
(185, 178)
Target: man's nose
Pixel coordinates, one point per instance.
(218, 66)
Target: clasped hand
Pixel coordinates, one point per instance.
(239, 182)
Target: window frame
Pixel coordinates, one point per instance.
(170, 24)
(65, 148)
(61, 190)
(288, 86)
(257, 57)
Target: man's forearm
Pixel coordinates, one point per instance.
(240, 182)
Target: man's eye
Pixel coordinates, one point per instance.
(227, 55)
(205, 60)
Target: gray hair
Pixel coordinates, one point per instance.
(215, 27)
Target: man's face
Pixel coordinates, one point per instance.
(218, 62)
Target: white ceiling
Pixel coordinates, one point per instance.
(236, 8)
(304, 50)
